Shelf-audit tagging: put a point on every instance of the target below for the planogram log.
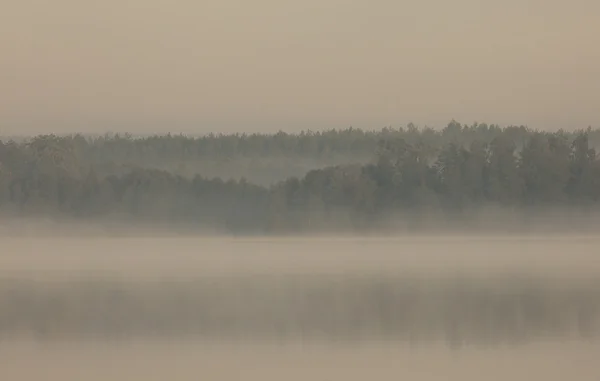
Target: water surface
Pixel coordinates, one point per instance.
(468, 308)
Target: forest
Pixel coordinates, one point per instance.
(345, 180)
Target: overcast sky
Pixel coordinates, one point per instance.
(263, 65)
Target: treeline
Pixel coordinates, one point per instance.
(266, 159)
(413, 172)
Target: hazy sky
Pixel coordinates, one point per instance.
(243, 65)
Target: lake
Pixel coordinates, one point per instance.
(422, 308)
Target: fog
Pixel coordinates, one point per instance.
(101, 279)
(489, 221)
(149, 306)
(148, 66)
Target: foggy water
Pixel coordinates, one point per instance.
(97, 308)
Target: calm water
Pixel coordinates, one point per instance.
(311, 290)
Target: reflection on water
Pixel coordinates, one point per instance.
(460, 310)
